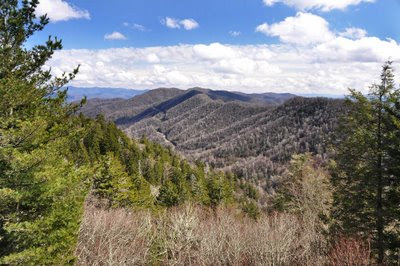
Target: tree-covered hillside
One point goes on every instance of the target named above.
(145, 174)
(236, 132)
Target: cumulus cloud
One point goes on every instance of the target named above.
(115, 36)
(367, 49)
(329, 67)
(173, 23)
(152, 58)
(135, 26)
(59, 10)
(304, 29)
(354, 33)
(189, 24)
(323, 5)
(234, 33)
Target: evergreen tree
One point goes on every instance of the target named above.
(168, 195)
(367, 173)
(113, 183)
(220, 189)
(250, 208)
(199, 185)
(41, 188)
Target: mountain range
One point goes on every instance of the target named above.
(78, 93)
(253, 135)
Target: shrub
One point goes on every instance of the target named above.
(194, 235)
(350, 251)
(114, 237)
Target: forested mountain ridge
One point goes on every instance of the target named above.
(253, 135)
(127, 108)
(117, 108)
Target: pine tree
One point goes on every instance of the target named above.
(168, 195)
(114, 184)
(199, 185)
(367, 172)
(220, 189)
(41, 189)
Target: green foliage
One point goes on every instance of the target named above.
(17, 24)
(41, 189)
(199, 185)
(128, 168)
(249, 190)
(114, 183)
(250, 208)
(220, 189)
(43, 228)
(168, 195)
(43, 196)
(366, 175)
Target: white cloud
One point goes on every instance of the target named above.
(323, 5)
(367, 49)
(235, 33)
(152, 58)
(329, 67)
(60, 10)
(173, 23)
(189, 24)
(135, 26)
(214, 51)
(115, 36)
(354, 33)
(304, 29)
(311, 33)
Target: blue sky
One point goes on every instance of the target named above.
(168, 42)
(216, 19)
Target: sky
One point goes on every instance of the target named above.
(297, 46)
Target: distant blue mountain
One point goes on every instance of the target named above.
(312, 95)
(76, 94)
